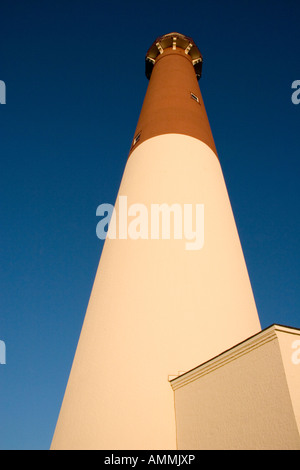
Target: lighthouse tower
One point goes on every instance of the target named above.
(159, 306)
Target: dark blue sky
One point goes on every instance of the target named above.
(74, 72)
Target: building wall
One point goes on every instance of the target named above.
(240, 400)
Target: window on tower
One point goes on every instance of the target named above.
(195, 97)
(136, 139)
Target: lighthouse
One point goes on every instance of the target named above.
(158, 309)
